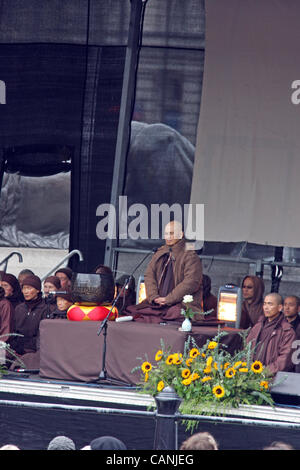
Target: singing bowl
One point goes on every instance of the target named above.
(78, 312)
(96, 289)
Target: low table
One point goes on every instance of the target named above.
(72, 350)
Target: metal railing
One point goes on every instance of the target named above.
(5, 260)
(62, 261)
(257, 264)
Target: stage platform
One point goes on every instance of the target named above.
(33, 410)
(65, 396)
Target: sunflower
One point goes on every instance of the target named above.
(146, 367)
(207, 369)
(160, 385)
(226, 365)
(257, 367)
(186, 381)
(237, 364)
(212, 345)
(218, 391)
(244, 367)
(195, 376)
(159, 355)
(169, 360)
(189, 361)
(177, 358)
(194, 352)
(209, 361)
(146, 377)
(185, 373)
(264, 384)
(206, 378)
(230, 373)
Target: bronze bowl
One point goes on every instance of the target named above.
(93, 288)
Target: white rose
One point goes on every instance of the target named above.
(187, 299)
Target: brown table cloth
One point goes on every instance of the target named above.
(74, 350)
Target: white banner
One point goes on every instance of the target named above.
(247, 161)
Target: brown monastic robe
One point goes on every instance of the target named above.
(172, 274)
(251, 312)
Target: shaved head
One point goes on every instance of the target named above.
(276, 297)
(173, 232)
(295, 298)
(291, 307)
(273, 305)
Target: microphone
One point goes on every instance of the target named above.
(126, 318)
(28, 371)
(58, 292)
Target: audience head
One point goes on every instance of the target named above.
(102, 269)
(106, 443)
(65, 277)
(120, 282)
(9, 447)
(291, 307)
(31, 287)
(51, 284)
(24, 273)
(10, 284)
(64, 301)
(200, 441)
(61, 443)
(278, 445)
(273, 305)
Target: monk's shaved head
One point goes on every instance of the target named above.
(173, 232)
(273, 305)
(276, 297)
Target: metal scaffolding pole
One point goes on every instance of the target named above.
(127, 100)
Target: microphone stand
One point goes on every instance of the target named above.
(103, 326)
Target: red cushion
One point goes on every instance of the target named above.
(79, 312)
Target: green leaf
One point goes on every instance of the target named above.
(266, 398)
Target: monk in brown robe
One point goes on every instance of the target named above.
(252, 307)
(172, 273)
(272, 337)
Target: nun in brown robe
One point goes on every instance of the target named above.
(252, 306)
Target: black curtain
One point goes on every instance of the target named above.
(93, 171)
(62, 64)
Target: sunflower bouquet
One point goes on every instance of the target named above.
(208, 379)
